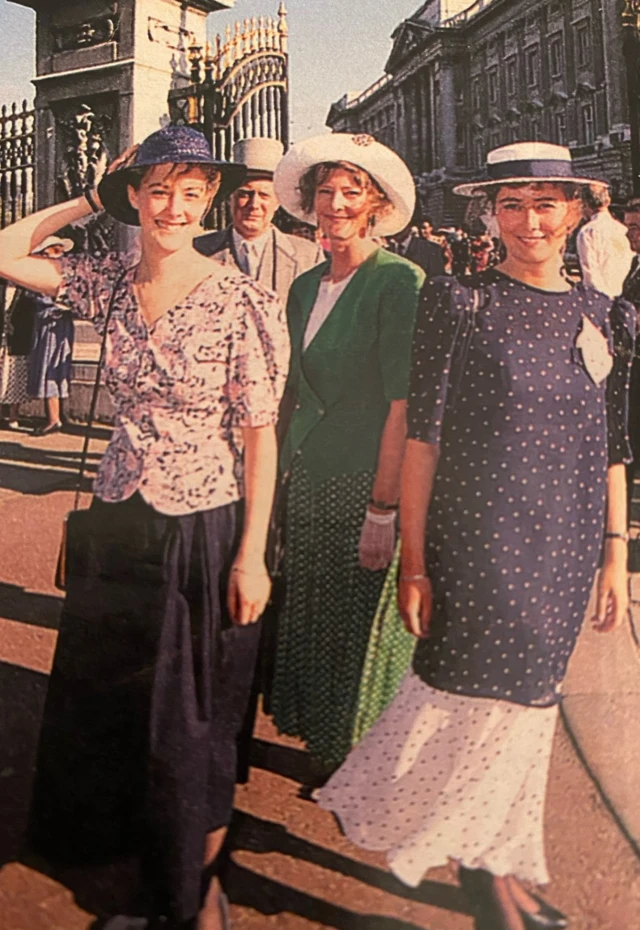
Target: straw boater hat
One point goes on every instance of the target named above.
(382, 164)
(67, 244)
(260, 157)
(526, 163)
(171, 145)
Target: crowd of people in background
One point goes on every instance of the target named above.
(356, 414)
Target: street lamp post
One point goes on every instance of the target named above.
(631, 48)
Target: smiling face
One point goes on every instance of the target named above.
(172, 201)
(343, 206)
(252, 208)
(534, 221)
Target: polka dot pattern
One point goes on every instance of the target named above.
(441, 776)
(517, 513)
(324, 629)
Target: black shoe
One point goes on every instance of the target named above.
(49, 429)
(545, 918)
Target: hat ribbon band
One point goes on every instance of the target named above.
(531, 168)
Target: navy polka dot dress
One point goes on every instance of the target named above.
(526, 431)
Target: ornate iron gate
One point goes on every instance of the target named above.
(17, 157)
(239, 85)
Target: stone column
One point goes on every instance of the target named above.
(400, 143)
(104, 70)
(447, 116)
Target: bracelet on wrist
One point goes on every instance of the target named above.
(382, 505)
(381, 519)
(623, 536)
(419, 577)
(91, 200)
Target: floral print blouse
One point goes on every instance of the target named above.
(183, 388)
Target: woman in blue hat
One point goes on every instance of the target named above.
(158, 637)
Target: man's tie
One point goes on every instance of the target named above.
(247, 259)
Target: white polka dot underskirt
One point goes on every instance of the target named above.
(441, 776)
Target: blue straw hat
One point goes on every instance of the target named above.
(173, 145)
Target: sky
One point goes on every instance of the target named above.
(335, 46)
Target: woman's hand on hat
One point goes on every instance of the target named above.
(415, 600)
(123, 160)
(248, 591)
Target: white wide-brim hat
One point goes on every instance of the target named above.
(380, 162)
(67, 244)
(526, 163)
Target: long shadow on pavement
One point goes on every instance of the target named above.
(28, 607)
(263, 836)
(267, 896)
(22, 695)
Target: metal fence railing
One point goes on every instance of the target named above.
(17, 161)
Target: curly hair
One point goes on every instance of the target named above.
(596, 196)
(318, 174)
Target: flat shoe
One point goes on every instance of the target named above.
(545, 918)
(48, 430)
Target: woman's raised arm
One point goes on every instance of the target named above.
(17, 242)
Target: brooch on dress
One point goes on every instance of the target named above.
(594, 348)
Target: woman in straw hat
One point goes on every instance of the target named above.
(513, 484)
(350, 320)
(52, 347)
(158, 636)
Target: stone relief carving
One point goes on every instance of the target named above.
(92, 32)
(84, 160)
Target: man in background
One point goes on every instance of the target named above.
(427, 255)
(603, 248)
(252, 243)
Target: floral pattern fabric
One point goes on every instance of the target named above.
(183, 388)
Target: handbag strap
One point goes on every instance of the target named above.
(96, 391)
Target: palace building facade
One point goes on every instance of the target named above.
(464, 78)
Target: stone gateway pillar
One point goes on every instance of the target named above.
(104, 72)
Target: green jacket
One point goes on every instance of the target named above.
(339, 390)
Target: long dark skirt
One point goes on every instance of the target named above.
(147, 694)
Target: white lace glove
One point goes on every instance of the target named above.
(377, 540)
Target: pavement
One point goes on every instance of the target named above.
(291, 869)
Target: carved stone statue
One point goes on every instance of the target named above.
(84, 161)
(85, 153)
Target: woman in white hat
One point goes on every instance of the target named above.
(513, 484)
(158, 636)
(350, 321)
(49, 373)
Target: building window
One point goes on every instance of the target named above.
(532, 57)
(583, 43)
(556, 55)
(476, 93)
(588, 128)
(560, 124)
(493, 85)
(535, 128)
(514, 133)
(512, 77)
(496, 138)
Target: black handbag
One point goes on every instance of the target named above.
(79, 524)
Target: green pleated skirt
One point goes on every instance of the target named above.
(341, 647)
